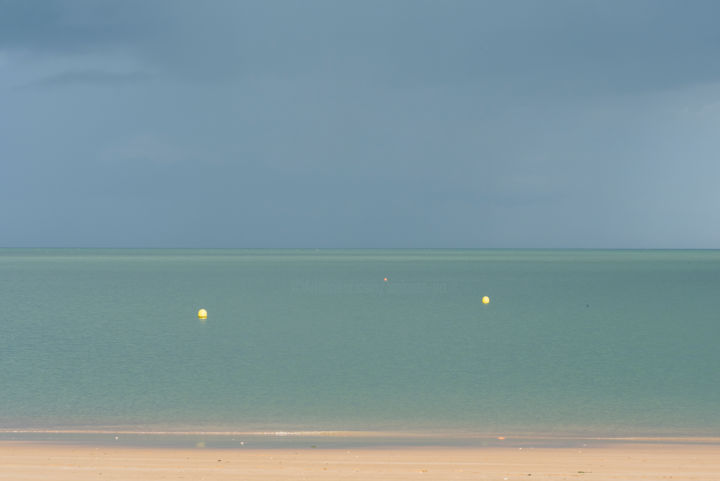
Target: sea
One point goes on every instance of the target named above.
(571, 342)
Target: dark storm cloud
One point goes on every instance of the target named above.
(403, 123)
(53, 26)
(88, 77)
(559, 45)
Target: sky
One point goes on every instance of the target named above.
(339, 124)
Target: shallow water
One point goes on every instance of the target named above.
(602, 342)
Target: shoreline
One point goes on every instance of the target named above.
(330, 439)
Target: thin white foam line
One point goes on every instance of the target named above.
(383, 434)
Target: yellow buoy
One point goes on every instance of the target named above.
(486, 300)
(202, 314)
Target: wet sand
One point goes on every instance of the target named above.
(613, 461)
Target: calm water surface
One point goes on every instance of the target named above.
(605, 342)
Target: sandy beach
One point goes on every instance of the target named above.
(634, 461)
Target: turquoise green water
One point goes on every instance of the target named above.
(605, 342)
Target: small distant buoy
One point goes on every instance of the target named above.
(385, 279)
(486, 300)
(202, 314)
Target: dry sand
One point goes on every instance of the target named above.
(636, 461)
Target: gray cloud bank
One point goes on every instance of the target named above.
(366, 124)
